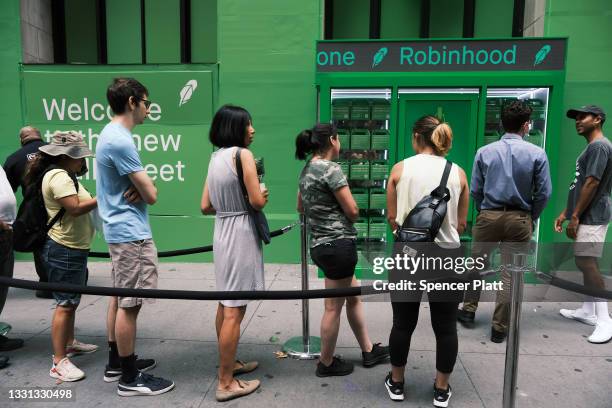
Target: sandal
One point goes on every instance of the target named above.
(246, 388)
(245, 367)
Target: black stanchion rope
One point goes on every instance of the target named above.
(574, 287)
(191, 294)
(196, 250)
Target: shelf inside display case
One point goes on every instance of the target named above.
(498, 98)
(362, 118)
(537, 99)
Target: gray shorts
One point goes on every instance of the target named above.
(134, 267)
(590, 240)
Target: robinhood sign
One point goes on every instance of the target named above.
(172, 141)
(444, 55)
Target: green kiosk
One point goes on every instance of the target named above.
(375, 90)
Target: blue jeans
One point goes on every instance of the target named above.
(65, 265)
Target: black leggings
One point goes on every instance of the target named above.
(444, 323)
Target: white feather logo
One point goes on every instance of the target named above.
(187, 91)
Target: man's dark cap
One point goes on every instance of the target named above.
(592, 109)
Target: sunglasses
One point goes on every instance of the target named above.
(147, 103)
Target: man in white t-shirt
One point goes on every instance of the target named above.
(8, 212)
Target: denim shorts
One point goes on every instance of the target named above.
(337, 259)
(65, 265)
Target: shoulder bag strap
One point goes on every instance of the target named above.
(60, 214)
(241, 175)
(440, 191)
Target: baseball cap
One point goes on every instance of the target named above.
(592, 109)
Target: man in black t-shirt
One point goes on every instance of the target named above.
(589, 211)
(15, 168)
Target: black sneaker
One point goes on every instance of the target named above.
(441, 397)
(466, 318)
(377, 355)
(395, 389)
(497, 336)
(144, 384)
(7, 344)
(112, 374)
(338, 367)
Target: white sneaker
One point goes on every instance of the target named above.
(579, 315)
(602, 333)
(77, 348)
(66, 371)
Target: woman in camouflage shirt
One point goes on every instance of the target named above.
(325, 198)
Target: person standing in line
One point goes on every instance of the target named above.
(8, 213)
(237, 248)
(510, 186)
(410, 181)
(589, 213)
(124, 190)
(325, 198)
(54, 170)
(15, 168)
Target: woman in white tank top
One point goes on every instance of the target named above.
(410, 181)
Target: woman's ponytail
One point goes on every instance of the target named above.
(315, 140)
(303, 144)
(442, 139)
(430, 131)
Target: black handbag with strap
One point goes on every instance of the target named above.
(259, 218)
(425, 219)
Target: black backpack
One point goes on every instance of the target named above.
(425, 219)
(30, 227)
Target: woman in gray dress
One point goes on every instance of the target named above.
(237, 248)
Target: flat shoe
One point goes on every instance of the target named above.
(245, 367)
(246, 387)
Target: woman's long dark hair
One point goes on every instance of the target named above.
(37, 166)
(315, 140)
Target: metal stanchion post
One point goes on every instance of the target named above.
(306, 347)
(512, 347)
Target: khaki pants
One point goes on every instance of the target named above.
(512, 229)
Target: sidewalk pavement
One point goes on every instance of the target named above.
(557, 367)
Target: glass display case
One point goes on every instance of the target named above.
(537, 98)
(362, 118)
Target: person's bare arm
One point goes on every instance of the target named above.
(205, 205)
(4, 226)
(143, 183)
(560, 220)
(132, 195)
(464, 202)
(300, 203)
(75, 207)
(587, 193)
(396, 173)
(257, 198)
(347, 203)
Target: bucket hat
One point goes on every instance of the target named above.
(69, 143)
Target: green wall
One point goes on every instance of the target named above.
(351, 19)
(162, 31)
(493, 19)
(10, 56)
(123, 34)
(588, 25)
(446, 19)
(400, 19)
(81, 32)
(271, 73)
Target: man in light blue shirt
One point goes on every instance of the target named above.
(510, 187)
(124, 190)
